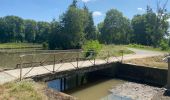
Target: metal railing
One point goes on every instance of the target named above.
(76, 59)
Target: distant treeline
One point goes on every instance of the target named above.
(76, 26)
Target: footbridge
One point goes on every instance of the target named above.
(50, 66)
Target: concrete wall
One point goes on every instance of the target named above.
(142, 74)
(136, 73)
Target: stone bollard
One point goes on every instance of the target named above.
(168, 78)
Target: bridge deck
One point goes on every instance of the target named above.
(12, 75)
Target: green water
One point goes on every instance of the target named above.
(96, 90)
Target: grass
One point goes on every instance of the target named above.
(19, 45)
(156, 61)
(113, 50)
(24, 90)
(30, 90)
(138, 46)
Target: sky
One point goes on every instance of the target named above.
(46, 10)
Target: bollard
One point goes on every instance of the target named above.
(168, 78)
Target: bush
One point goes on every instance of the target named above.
(164, 45)
(45, 46)
(92, 48)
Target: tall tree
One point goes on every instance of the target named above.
(73, 26)
(30, 30)
(43, 30)
(114, 28)
(89, 29)
(138, 24)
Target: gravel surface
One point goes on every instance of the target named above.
(136, 91)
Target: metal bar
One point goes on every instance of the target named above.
(122, 57)
(94, 61)
(54, 64)
(108, 57)
(21, 61)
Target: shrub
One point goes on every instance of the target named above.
(45, 46)
(92, 48)
(164, 45)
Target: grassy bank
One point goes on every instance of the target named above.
(156, 61)
(113, 50)
(146, 47)
(22, 91)
(30, 90)
(19, 45)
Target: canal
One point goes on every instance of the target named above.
(90, 86)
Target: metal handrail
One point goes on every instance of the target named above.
(77, 58)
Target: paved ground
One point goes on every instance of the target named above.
(11, 75)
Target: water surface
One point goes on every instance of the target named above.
(96, 90)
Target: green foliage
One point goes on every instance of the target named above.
(92, 48)
(115, 29)
(151, 27)
(45, 45)
(76, 26)
(164, 45)
(112, 50)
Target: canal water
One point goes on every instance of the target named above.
(93, 87)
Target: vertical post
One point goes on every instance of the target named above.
(54, 64)
(77, 80)
(168, 80)
(94, 61)
(78, 59)
(64, 83)
(122, 56)
(61, 85)
(108, 57)
(21, 61)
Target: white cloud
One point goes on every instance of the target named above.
(86, 1)
(97, 13)
(141, 9)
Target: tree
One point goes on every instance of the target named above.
(89, 29)
(138, 24)
(43, 30)
(30, 30)
(56, 36)
(115, 28)
(14, 28)
(73, 25)
(151, 27)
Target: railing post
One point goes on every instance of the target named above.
(94, 61)
(77, 59)
(54, 64)
(108, 57)
(122, 56)
(21, 62)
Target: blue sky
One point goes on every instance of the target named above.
(46, 10)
